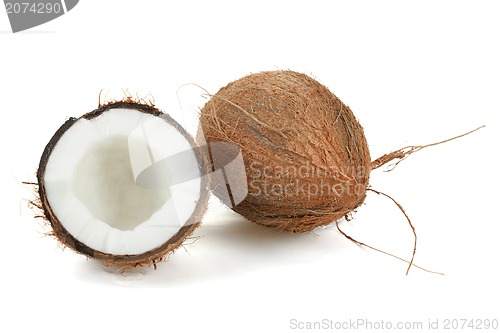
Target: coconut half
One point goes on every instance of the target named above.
(124, 184)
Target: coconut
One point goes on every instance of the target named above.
(306, 156)
(123, 184)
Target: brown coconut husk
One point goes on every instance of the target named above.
(287, 120)
(148, 258)
(283, 120)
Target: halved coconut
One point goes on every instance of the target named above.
(124, 184)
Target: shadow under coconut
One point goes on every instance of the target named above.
(226, 245)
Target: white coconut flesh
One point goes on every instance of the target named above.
(92, 181)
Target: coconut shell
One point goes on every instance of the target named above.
(306, 157)
(152, 256)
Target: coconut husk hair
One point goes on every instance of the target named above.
(288, 123)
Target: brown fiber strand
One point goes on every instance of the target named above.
(409, 222)
(403, 153)
(127, 97)
(381, 251)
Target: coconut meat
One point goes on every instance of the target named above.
(91, 181)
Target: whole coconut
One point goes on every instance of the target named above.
(306, 157)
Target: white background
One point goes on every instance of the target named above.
(413, 72)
